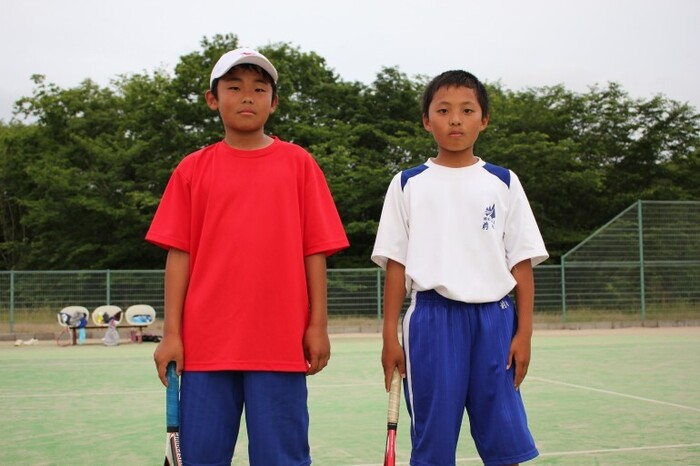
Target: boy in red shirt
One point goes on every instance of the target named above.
(248, 223)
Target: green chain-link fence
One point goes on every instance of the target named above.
(644, 264)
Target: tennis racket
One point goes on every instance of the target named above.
(392, 419)
(172, 417)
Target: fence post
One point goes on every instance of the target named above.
(12, 301)
(108, 277)
(563, 288)
(379, 293)
(642, 286)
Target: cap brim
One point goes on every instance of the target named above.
(222, 67)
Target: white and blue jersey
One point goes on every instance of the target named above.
(458, 231)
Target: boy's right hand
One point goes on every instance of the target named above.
(392, 358)
(169, 349)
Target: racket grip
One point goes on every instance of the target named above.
(392, 417)
(172, 399)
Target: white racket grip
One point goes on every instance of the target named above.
(394, 398)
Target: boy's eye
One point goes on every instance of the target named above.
(441, 111)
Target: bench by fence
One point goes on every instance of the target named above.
(74, 318)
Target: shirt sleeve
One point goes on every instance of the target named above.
(392, 235)
(522, 235)
(170, 227)
(323, 229)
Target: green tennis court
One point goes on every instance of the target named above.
(594, 397)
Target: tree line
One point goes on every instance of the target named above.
(82, 169)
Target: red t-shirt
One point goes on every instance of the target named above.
(247, 220)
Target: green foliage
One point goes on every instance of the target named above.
(82, 169)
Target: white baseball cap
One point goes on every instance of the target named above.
(239, 57)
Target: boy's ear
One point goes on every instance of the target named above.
(275, 103)
(426, 123)
(484, 123)
(212, 103)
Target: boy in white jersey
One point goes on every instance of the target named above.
(458, 234)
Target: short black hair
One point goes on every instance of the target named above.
(457, 78)
(248, 66)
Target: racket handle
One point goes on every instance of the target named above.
(392, 417)
(172, 399)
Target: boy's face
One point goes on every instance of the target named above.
(244, 100)
(455, 119)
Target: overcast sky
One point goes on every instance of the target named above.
(648, 46)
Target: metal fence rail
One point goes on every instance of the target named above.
(644, 264)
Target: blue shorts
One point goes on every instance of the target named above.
(456, 357)
(276, 417)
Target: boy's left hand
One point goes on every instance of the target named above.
(520, 348)
(317, 349)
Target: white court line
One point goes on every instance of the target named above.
(80, 394)
(345, 385)
(609, 392)
(616, 450)
(155, 392)
(567, 453)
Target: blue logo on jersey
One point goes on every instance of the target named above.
(489, 218)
